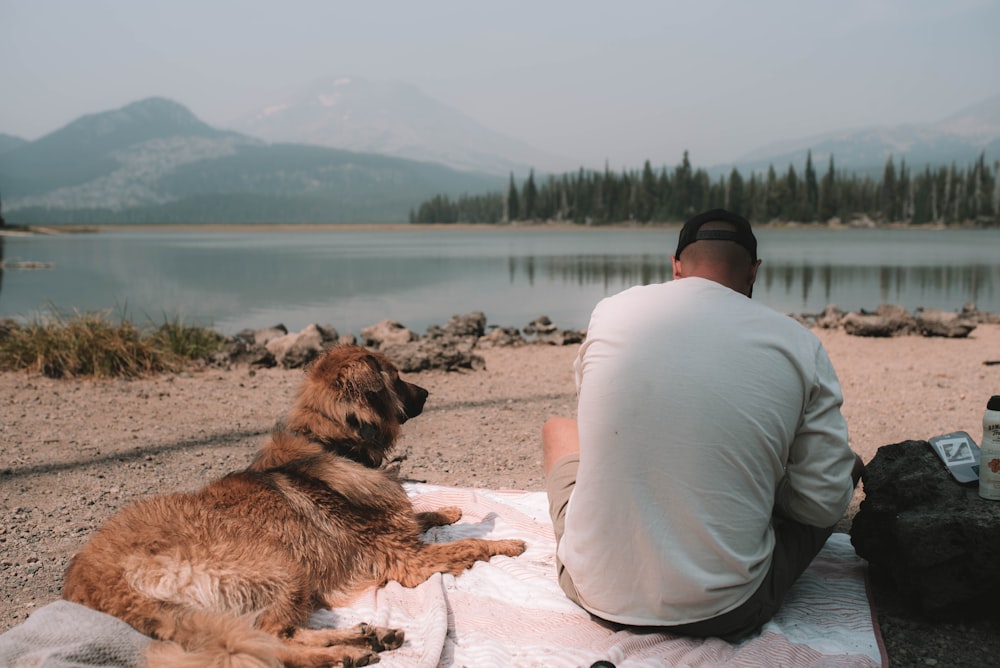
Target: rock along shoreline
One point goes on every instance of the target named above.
(454, 345)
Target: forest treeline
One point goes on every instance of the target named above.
(946, 195)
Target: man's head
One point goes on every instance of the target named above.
(718, 245)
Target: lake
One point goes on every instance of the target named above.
(351, 278)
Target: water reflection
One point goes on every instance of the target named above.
(797, 287)
(609, 271)
(807, 287)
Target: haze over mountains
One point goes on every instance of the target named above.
(397, 119)
(392, 118)
(959, 138)
(348, 150)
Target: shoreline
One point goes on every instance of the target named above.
(73, 228)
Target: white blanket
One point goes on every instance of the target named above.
(511, 611)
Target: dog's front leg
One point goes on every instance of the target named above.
(454, 558)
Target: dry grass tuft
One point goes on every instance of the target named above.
(92, 344)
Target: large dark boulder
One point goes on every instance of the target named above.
(934, 538)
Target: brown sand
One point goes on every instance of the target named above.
(75, 451)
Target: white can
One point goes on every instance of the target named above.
(989, 451)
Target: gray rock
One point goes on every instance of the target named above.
(540, 325)
(262, 336)
(499, 337)
(545, 331)
(386, 333)
(295, 350)
(970, 312)
(935, 322)
(887, 320)
(830, 318)
(447, 353)
(240, 352)
(470, 324)
(280, 344)
(935, 539)
(561, 337)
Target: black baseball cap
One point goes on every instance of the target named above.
(741, 234)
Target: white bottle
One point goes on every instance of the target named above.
(989, 451)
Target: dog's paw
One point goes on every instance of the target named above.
(509, 547)
(381, 638)
(358, 658)
(449, 514)
(438, 518)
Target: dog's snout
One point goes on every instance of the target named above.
(413, 404)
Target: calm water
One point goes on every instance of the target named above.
(354, 278)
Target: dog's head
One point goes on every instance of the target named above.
(353, 402)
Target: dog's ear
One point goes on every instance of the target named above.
(364, 378)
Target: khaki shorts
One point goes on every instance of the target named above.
(795, 547)
(559, 485)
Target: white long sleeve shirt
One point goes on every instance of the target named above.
(699, 411)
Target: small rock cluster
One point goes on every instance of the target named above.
(451, 346)
(893, 320)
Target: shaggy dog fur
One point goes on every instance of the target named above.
(228, 575)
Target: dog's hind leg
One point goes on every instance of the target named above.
(300, 656)
(438, 518)
(363, 635)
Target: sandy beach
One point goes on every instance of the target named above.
(74, 451)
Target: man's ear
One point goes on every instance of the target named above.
(678, 270)
(752, 277)
(753, 273)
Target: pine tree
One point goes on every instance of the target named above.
(681, 204)
(772, 197)
(513, 205)
(647, 194)
(996, 193)
(734, 192)
(887, 199)
(811, 190)
(791, 203)
(828, 201)
(750, 209)
(530, 198)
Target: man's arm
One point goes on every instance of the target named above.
(819, 476)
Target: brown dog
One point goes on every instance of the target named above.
(227, 576)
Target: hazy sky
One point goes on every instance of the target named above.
(618, 80)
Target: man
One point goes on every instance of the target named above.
(709, 459)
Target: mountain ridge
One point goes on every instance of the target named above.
(152, 156)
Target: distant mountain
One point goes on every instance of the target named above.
(7, 142)
(154, 161)
(391, 119)
(959, 138)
